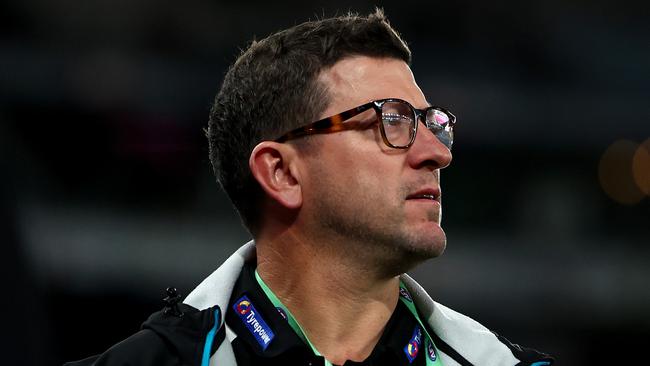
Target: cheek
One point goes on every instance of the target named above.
(378, 184)
(357, 162)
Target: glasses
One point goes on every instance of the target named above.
(399, 123)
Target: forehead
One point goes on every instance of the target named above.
(360, 79)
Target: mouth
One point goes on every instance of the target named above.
(426, 194)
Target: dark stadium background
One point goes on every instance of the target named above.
(107, 197)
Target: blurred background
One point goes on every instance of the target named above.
(107, 195)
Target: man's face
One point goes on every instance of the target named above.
(373, 198)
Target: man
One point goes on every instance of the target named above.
(332, 155)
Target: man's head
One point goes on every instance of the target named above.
(348, 186)
(273, 87)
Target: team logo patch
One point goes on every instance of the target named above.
(405, 294)
(253, 321)
(431, 351)
(412, 348)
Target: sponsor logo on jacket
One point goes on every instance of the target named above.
(412, 348)
(253, 321)
(405, 294)
(431, 351)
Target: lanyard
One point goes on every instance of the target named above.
(430, 349)
(290, 319)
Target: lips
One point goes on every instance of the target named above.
(432, 194)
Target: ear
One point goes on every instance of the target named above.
(273, 166)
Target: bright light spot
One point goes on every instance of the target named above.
(615, 173)
(641, 167)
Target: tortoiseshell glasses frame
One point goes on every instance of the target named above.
(399, 123)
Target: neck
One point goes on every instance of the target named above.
(342, 308)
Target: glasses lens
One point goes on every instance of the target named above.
(439, 122)
(398, 121)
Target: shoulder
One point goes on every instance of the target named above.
(131, 351)
(468, 342)
(464, 341)
(167, 338)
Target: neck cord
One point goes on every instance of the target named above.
(411, 349)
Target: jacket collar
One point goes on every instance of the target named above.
(217, 288)
(399, 331)
(473, 341)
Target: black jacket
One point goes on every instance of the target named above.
(176, 335)
(169, 338)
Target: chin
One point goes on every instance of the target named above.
(428, 238)
(415, 250)
(430, 249)
(429, 244)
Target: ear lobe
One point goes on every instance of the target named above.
(272, 166)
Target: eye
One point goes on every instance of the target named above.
(395, 120)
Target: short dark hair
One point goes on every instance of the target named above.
(273, 87)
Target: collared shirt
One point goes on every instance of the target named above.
(265, 338)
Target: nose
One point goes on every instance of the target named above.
(428, 151)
